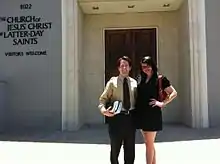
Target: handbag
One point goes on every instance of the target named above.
(162, 94)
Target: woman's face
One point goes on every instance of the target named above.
(146, 69)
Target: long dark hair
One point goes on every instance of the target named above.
(150, 62)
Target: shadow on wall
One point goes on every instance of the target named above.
(98, 134)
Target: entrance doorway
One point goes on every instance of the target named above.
(134, 43)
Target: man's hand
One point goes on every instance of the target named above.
(107, 112)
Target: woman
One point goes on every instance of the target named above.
(149, 108)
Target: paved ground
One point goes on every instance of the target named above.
(175, 145)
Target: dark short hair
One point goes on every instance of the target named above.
(126, 58)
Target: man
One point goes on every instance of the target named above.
(121, 126)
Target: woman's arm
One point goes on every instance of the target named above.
(172, 93)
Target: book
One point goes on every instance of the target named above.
(116, 107)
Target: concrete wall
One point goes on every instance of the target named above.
(184, 65)
(213, 58)
(81, 64)
(34, 81)
(94, 56)
(72, 36)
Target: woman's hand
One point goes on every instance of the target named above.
(154, 103)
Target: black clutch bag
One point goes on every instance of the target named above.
(116, 107)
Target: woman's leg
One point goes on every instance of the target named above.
(149, 138)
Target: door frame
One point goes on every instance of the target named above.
(129, 28)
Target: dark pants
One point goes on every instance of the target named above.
(122, 131)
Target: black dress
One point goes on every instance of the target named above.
(149, 118)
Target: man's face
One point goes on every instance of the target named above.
(124, 68)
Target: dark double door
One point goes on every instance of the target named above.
(134, 43)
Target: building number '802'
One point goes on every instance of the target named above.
(25, 6)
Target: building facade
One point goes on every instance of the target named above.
(56, 57)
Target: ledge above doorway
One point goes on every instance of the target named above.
(126, 6)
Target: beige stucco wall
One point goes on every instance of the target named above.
(94, 56)
(184, 65)
(213, 58)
